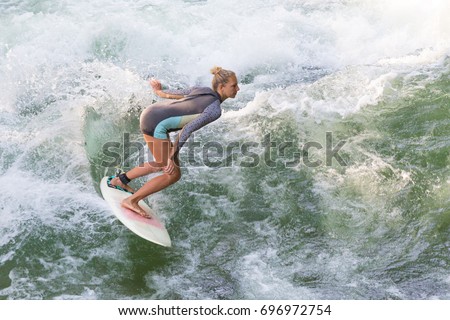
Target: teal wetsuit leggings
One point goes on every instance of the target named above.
(198, 108)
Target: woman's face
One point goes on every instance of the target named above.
(229, 89)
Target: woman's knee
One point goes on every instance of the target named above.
(175, 176)
(155, 166)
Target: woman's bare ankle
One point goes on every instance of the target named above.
(116, 182)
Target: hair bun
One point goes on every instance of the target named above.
(216, 70)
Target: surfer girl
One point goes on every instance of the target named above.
(188, 110)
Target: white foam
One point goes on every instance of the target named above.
(66, 57)
(265, 282)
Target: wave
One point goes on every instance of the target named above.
(374, 75)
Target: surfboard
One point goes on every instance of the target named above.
(151, 229)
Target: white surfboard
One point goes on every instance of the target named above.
(151, 229)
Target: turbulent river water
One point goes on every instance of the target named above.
(326, 178)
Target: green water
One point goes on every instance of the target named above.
(275, 221)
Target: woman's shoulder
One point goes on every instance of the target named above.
(204, 90)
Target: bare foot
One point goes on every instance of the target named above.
(133, 206)
(116, 182)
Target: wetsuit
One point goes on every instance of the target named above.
(199, 107)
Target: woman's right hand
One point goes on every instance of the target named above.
(170, 168)
(156, 85)
(157, 89)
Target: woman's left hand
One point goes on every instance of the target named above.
(170, 168)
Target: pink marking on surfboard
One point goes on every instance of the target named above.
(137, 217)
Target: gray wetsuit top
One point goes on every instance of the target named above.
(199, 107)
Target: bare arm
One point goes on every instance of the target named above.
(167, 94)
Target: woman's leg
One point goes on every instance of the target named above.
(156, 146)
(143, 169)
(160, 150)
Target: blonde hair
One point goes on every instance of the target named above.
(221, 76)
